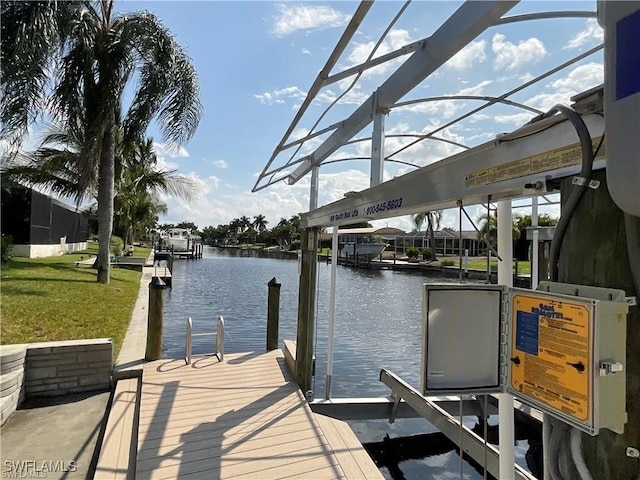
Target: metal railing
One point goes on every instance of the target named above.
(219, 334)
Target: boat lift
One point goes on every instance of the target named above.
(524, 163)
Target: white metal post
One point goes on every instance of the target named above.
(313, 194)
(377, 150)
(506, 427)
(535, 236)
(332, 308)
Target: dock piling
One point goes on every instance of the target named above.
(155, 319)
(273, 314)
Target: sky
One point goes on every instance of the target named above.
(256, 60)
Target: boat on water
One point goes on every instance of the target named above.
(371, 250)
(176, 239)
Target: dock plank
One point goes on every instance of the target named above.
(241, 418)
(114, 461)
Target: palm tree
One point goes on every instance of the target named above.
(259, 224)
(433, 219)
(234, 225)
(54, 165)
(76, 58)
(489, 229)
(245, 222)
(139, 182)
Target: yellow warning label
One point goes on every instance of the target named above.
(541, 162)
(551, 352)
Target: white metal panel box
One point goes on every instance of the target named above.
(461, 330)
(561, 348)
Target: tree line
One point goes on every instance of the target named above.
(286, 233)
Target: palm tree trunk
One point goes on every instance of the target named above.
(105, 200)
(432, 238)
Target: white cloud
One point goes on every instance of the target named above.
(509, 56)
(476, 89)
(395, 40)
(468, 56)
(169, 149)
(526, 77)
(292, 18)
(220, 203)
(516, 118)
(163, 165)
(581, 78)
(220, 163)
(279, 96)
(441, 108)
(306, 51)
(591, 34)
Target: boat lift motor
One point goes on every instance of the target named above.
(621, 23)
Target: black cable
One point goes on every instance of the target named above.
(579, 187)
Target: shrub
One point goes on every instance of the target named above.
(426, 252)
(7, 247)
(117, 244)
(447, 263)
(412, 252)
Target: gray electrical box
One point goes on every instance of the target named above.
(561, 348)
(621, 23)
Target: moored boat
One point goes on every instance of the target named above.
(371, 250)
(176, 239)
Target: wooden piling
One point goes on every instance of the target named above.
(155, 316)
(594, 252)
(273, 314)
(306, 308)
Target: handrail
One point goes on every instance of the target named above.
(219, 333)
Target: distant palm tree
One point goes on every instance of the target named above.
(245, 223)
(234, 226)
(77, 58)
(259, 225)
(489, 228)
(433, 219)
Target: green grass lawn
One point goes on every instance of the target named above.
(523, 267)
(48, 299)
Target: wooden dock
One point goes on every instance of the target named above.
(241, 418)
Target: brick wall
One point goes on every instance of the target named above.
(61, 368)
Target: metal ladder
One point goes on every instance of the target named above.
(219, 334)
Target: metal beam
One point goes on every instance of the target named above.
(499, 169)
(469, 442)
(382, 408)
(318, 83)
(469, 21)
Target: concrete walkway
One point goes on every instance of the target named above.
(131, 357)
(53, 438)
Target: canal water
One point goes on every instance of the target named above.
(377, 325)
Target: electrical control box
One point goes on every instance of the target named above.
(621, 23)
(561, 348)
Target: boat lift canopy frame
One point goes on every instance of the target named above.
(516, 165)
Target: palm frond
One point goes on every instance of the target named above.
(31, 33)
(168, 87)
